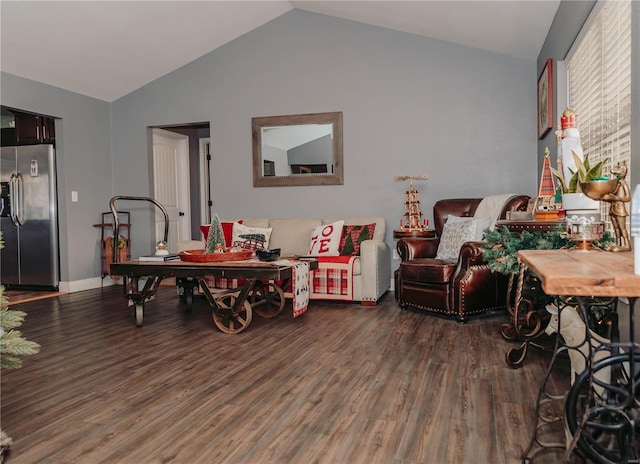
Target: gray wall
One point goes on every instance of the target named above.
(83, 152)
(411, 106)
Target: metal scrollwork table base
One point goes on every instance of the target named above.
(601, 410)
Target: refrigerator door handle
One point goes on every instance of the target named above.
(13, 197)
(16, 192)
(20, 212)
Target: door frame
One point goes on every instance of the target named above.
(183, 155)
(205, 180)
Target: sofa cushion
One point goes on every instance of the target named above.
(325, 239)
(250, 237)
(353, 236)
(292, 235)
(427, 270)
(455, 233)
(256, 222)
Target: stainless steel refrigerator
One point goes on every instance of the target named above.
(29, 217)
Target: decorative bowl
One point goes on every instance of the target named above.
(268, 255)
(596, 189)
(199, 256)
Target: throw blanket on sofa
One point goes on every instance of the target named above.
(333, 280)
(492, 207)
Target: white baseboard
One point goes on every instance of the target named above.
(85, 284)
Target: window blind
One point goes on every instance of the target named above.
(599, 75)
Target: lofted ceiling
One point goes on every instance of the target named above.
(107, 49)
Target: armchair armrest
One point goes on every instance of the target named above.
(471, 254)
(375, 269)
(411, 248)
(475, 286)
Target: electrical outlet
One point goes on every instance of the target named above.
(395, 254)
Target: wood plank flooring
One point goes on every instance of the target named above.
(341, 384)
(24, 296)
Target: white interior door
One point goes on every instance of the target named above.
(171, 185)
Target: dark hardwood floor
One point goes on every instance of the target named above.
(341, 384)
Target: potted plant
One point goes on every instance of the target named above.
(572, 196)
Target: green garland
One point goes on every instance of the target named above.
(501, 246)
(500, 251)
(12, 344)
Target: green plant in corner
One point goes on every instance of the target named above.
(12, 345)
(584, 173)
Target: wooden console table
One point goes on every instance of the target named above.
(530, 225)
(600, 415)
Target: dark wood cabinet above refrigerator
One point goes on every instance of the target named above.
(24, 128)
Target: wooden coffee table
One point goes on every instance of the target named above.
(232, 308)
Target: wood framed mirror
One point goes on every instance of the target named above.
(299, 149)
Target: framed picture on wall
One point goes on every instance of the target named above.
(545, 100)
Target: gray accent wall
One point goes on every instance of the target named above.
(411, 106)
(84, 165)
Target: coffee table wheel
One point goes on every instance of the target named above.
(267, 300)
(611, 433)
(139, 314)
(224, 318)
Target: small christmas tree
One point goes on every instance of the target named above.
(12, 345)
(215, 239)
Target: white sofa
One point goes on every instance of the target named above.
(365, 278)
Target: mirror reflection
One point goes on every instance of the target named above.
(301, 149)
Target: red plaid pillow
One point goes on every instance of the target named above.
(353, 236)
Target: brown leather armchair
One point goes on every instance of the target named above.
(461, 287)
